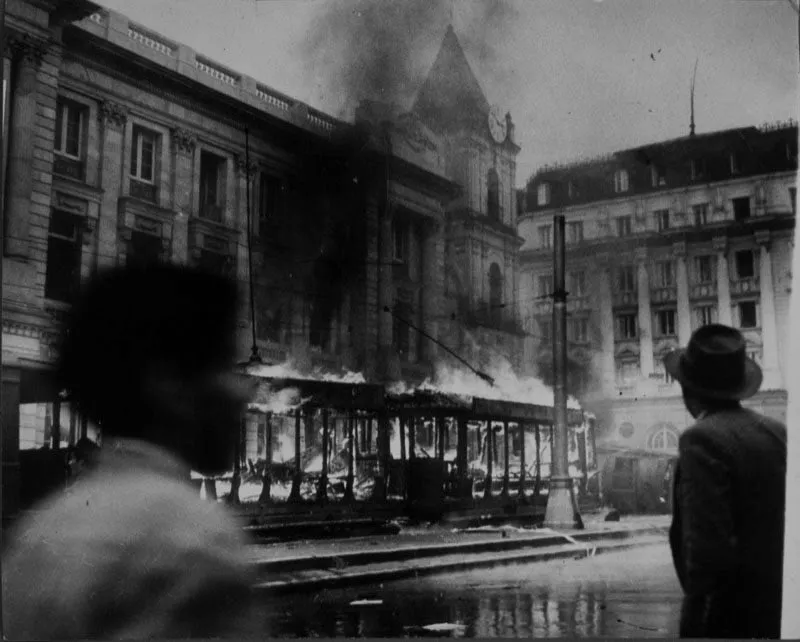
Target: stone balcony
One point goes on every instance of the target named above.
(664, 295)
(625, 299)
(750, 285)
(703, 290)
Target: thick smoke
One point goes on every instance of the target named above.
(382, 49)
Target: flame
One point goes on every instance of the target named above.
(507, 385)
(288, 370)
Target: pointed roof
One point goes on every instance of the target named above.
(451, 94)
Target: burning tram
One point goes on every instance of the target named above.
(425, 451)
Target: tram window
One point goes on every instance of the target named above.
(623, 473)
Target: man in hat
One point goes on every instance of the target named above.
(729, 493)
(133, 552)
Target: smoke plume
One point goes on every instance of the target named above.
(382, 49)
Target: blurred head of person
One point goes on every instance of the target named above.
(148, 354)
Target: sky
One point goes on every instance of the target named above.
(579, 77)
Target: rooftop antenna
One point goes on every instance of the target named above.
(694, 76)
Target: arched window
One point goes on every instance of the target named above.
(664, 437)
(495, 292)
(493, 194)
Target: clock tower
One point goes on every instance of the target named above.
(481, 241)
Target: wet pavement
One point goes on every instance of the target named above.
(627, 594)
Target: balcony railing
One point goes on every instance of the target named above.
(624, 299)
(703, 290)
(660, 295)
(143, 191)
(69, 167)
(746, 286)
(493, 318)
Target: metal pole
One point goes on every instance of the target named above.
(297, 479)
(561, 510)
(522, 462)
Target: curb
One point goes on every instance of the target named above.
(406, 553)
(371, 576)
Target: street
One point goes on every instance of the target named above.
(629, 594)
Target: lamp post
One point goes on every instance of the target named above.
(561, 510)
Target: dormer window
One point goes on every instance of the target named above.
(621, 181)
(543, 194)
(657, 176)
(698, 168)
(734, 160)
(572, 190)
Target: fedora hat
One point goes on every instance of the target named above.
(715, 364)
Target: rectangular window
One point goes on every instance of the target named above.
(545, 330)
(657, 176)
(400, 235)
(735, 168)
(575, 232)
(213, 262)
(401, 335)
(700, 213)
(665, 323)
(624, 227)
(143, 155)
(211, 186)
(698, 168)
(662, 220)
(577, 283)
(545, 236)
(545, 285)
(627, 326)
(793, 199)
(748, 314)
(270, 190)
(665, 274)
(620, 181)
(70, 124)
(64, 243)
(543, 194)
(741, 208)
(627, 278)
(704, 315)
(745, 264)
(578, 330)
(704, 269)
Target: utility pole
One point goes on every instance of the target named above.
(561, 511)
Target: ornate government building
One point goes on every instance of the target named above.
(662, 239)
(126, 147)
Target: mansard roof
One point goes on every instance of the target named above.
(679, 162)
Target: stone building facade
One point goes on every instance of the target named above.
(661, 240)
(126, 147)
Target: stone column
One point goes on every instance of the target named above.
(432, 250)
(723, 281)
(684, 314)
(769, 334)
(183, 146)
(238, 206)
(605, 319)
(112, 117)
(27, 56)
(645, 320)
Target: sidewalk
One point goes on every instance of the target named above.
(314, 565)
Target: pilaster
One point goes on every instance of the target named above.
(113, 118)
(645, 317)
(183, 144)
(684, 312)
(720, 244)
(769, 335)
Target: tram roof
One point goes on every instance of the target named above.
(336, 395)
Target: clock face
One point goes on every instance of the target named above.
(497, 124)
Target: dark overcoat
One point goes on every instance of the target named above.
(728, 525)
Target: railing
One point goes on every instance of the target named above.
(623, 299)
(703, 290)
(98, 17)
(745, 286)
(320, 121)
(273, 99)
(214, 71)
(660, 295)
(211, 212)
(149, 40)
